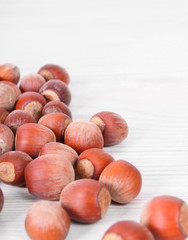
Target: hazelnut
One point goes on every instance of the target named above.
(127, 230)
(60, 149)
(7, 97)
(55, 107)
(31, 137)
(17, 118)
(12, 167)
(32, 82)
(3, 114)
(47, 175)
(91, 163)
(82, 135)
(53, 71)
(9, 72)
(166, 217)
(123, 181)
(56, 90)
(1, 199)
(112, 125)
(32, 103)
(47, 220)
(6, 139)
(57, 122)
(14, 87)
(85, 200)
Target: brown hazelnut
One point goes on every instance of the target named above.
(47, 220)
(166, 217)
(82, 135)
(127, 230)
(60, 149)
(47, 175)
(6, 139)
(17, 118)
(57, 122)
(123, 181)
(12, 167)
(53, 71)
(56, 90)
(31, 137)
(32, 82)
(14, 87)
(32, 103)
(91, 163)
(56, 107)
(112, 125)
(9, 72)
(7, 97)
(85, 200)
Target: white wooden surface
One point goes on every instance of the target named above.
(127, 56)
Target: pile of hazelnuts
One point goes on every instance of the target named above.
(59, 159)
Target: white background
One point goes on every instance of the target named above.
(126, 56)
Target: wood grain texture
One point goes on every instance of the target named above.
(126, 56)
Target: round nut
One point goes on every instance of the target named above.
(53, 71)
(31, 137)
(47, 220)
(47, 175)
(12, 167)
(9, 72)
(82, 135)
(166, 217)
(17, 118)
(91, 163)
(57, 122)
(56, 107)
(123, 181)
(56, 90)
(32, 82)
(127, 230)
(112, 125)
(85, 200)
(32, 103)
(7, 97)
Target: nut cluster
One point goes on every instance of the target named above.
(61, 159)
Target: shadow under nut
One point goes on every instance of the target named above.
(1, 199)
